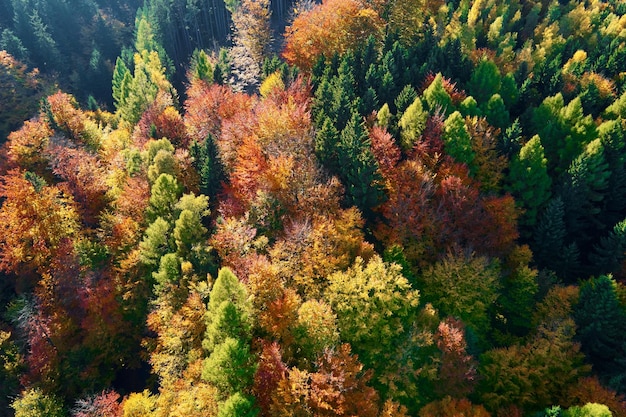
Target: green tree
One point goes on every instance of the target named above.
(164, 195)
(34, 403)
(208, 164)
(358, 168)
(377, 294)
(436, 97)
(200, 68)
(238, 405)
(230, 365)
(485, 81)
(457, 140)
(529, 181)
(155, 242)
(588, 410)
(464, 287)
(168, 273)
(412, 124)
(609, 252)
(601, 329)
(496, 113)
(550, 247)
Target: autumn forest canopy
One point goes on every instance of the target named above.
(373, 208)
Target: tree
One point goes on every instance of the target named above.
(485, 81)
(34, 221)
(601, 329)
(378, 294)
(139, 404)
(230, 366)
(164, 195)
(437, 97)
(608, 254)
(334, 26)
(412, 124)
(457, 140)
(529, 181)
(457, 370)
(450, 406)
(464, 287)
(33, 403)
(358, 169)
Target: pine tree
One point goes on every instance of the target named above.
(485, 81)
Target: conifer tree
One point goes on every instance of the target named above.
(457, 140)
(485, 81)
(529, 181)
(230, 366)
(601, 329)
(412, 124)
(436, 97)
(358, 168)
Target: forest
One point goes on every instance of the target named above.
(255, 208)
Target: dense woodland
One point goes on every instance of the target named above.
(391, 208)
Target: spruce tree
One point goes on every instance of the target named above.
(528, 180)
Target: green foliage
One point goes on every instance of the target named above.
(588, 410)
(464, 287)
(457, 141)
(34, 403)
(436, 97)
(358, 168)
(412, 124)
(230, 367)
(168, 273)
(601, 328)
(238, 405)
(164, 195)
(529, 181)
(377, 294)
(208, 164)
(200, 67)
(155, 242)
(496, 113)
(485, 81)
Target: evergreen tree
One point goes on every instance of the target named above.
(457, 141)
(496, 113)
(529, 181)
(412, 124)
(609, 253)
(358, 168)
(485, 81)
(550, 248)
(436, 97)
(601, 329)
(230, 365)
(208, 164)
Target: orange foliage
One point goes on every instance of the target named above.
(449, 407)
(161, 120)
(84, 176)
(67, 116)
(331, 27)
(589, 390)
(32, 223)
(338, 388)
(27, 146)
